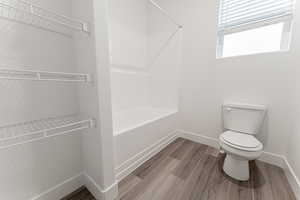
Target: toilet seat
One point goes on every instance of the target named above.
(241, 141)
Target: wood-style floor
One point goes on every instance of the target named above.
(185, 170)
(80, 194)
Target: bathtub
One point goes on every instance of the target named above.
(138, 134)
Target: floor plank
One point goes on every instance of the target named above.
(190, 160)
(154, 179)
(182, 150)
(148, 166)
(270, 182)
(128, 184)
(80, 194)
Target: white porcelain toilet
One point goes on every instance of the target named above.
(241, 122)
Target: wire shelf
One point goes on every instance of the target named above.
(27, 132)
(27, 13)
(12, 74)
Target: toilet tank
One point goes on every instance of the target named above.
(243, 118)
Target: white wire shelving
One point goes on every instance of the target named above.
(14, 74)
(27, 132)
(30, 14)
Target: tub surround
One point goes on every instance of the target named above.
(139, 134)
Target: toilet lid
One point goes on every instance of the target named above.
(240, 139)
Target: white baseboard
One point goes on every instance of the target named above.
(292, 178)
(133, 163)
(61, 190)
(213, 142)
(267, 157)
(109, 193)
(271, 158)
(72, 184)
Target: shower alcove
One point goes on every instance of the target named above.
(145, 45)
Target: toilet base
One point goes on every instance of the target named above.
(236, 167)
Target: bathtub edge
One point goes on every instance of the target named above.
(137, 160)
(169, 114)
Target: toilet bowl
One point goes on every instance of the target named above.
(241, 122)
(240, 148)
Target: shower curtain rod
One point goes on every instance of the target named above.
(166, 13)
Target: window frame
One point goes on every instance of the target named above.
(285, 36)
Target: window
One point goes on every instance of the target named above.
(253, 26)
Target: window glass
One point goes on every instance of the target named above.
(258, 40)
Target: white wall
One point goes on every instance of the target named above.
(31, 169)
(128, 33)
(129, 89)
(25, 47)
(101, 20)
(129, 53)
(144, 36)
(28, 170)
(92, 56)
(207, 82)
(293, 154)
(84, 46)
(165, 39)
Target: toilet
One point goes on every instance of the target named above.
(241, 123)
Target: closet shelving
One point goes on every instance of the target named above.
(40, 129)
(13, 74)
(27, 13)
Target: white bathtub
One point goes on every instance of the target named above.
(139, 131)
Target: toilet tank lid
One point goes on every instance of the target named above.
(245, 106)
